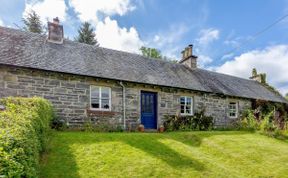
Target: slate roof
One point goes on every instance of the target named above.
(25, 49)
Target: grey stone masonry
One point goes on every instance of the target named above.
(70, 96)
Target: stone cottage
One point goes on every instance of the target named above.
(117, 88)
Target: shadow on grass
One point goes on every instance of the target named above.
(58, 160)
(195, 138)
(61, 156)
(151, 145)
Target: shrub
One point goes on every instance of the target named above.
(58, 124)
(249, 121)
(24, 129)
(267, 124)
(196, 122)
(90, 126)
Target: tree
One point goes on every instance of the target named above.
(151, 52)
(86, 34)
(33, 23)
(156, 54)
(286, 96)
(254, 72)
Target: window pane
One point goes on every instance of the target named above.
(182, 109)
(95, 92)
(143, 103)
(105, 103)
(95, 97)
(188, 100)
(95, 103)
(105, 93)
(182, 100)
(188, 109)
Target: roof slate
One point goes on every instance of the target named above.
(25, 49)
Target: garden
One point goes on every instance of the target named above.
(256, 145)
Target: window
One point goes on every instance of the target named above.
(100, 98)
(233, 110)
(186, 104)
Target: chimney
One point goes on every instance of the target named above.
(261, 78)
(55, 31)
(188, 58)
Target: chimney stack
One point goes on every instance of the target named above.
(55, 31)
(261, 78)
(188, 58)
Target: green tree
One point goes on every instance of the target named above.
(254, 72)
(286, 96)
(151, 52)
(155, 54)
(86, 34)
(33, 23)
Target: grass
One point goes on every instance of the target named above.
(178, 154)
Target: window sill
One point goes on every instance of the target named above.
(186, 114)
(93, 112)
(95, 109)
(233, 117)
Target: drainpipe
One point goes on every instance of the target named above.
(124, 104)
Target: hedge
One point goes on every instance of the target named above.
(24, 130)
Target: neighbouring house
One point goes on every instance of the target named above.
(106, 86)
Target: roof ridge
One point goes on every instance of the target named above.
(226, 74)
(93, 46)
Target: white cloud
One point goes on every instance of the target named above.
(108, 32)
(167, 40)
(90, 10)
(47, 9)
(272, 60)
(204, 60)
(110, 35)
(227, 56)
(208, 35)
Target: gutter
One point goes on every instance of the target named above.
(124, 104)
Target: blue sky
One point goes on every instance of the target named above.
(215, 28)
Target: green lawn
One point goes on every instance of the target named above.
(179, 154)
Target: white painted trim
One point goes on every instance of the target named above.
(236, 108)
(192, 106)
(110, 98)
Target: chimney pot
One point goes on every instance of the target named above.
(56, 20)
(190, 50)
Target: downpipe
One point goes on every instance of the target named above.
(124, 104)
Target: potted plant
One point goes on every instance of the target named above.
(141, 128)
(161, 128)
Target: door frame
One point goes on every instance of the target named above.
(155, 105)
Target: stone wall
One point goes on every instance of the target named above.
(70, 96)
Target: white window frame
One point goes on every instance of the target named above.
(100, 98)
(230, 111)
(191, 108)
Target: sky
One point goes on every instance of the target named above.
(222, 31)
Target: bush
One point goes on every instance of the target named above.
(267, 124)
(249, 121)
(58, 124)
(24, 129)
(196, 122)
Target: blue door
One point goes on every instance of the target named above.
(149, 110)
